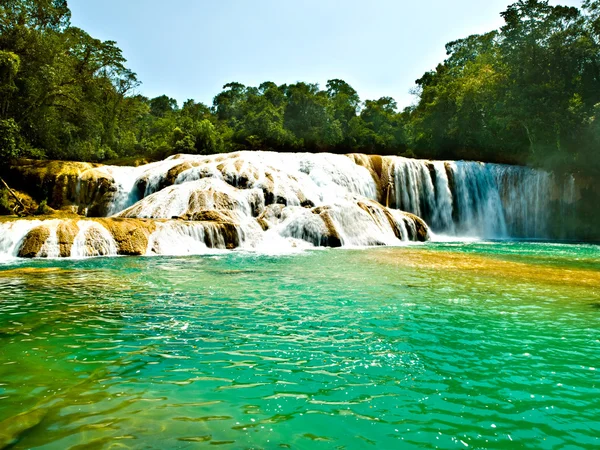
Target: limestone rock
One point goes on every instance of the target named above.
(66, 232)
(63, 184)
(131, 235)
(33, 242)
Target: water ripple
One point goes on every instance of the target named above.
(396, 348)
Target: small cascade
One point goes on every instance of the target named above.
(194, 197)
(442, 213)
(190, 238)
(478, 209)
(291, 178)
(51, 246)
(93, 240)
(12, 235)
(525, 195)
(362, 224)
(414, 187)
(124, 180)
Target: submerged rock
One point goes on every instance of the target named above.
(12, 428)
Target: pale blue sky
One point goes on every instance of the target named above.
(191, 48)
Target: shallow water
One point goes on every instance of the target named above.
(443, 345)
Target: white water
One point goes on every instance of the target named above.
(471, 199)
(185, 238)
(281, 202)
(50, 248)
(93, 240)
(12, 235)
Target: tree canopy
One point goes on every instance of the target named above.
(527, 93)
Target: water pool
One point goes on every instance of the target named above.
(456, 345)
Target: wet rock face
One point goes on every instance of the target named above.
(65, 185)
(33, 242)
(331, 238)
(131, 236)
(66, 233)
(421, 230)
(95, 192)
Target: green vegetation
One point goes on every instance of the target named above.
(528, 93)
(5, 208)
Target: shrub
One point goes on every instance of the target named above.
(42, 208)
(5, 208)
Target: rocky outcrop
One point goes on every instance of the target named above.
(131, 235)
(66, 232)
(332, 237)
(96, 190)
(65, 185)
(33, 242)
(63, 238)
(420, 230)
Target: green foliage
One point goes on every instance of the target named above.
(527, 93)
(523, 94)
(5, 208)
(206, 139)
(9, 66)
(162, 106)
(9, 139)
(42, 208)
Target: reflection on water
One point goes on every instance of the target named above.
(489, 345)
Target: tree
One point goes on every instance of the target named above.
(308, 117)
(226, 104)
(162, 106)
(344, 103)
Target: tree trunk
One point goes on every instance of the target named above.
(18, 200)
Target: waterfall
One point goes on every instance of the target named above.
(475, 199)
(51, 246)
(93, 240)
(188, 238)
(442, 211)
(12, 235)
(255, 200)
(124, 180)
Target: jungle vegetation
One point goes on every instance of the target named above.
(528, 93)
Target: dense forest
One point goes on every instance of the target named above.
(528, 93)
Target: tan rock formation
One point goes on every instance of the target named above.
(33, 242)
(131, 235)
(332, 237)
(66, 232)
(63, 184)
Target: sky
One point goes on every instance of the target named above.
(191, 48)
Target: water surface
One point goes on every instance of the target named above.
(456, 345)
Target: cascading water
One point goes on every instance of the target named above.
(93, 240)
(51, 247)
(12, 235)
(190, 204)
(478, 199)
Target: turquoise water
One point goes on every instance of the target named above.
(478, 345)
